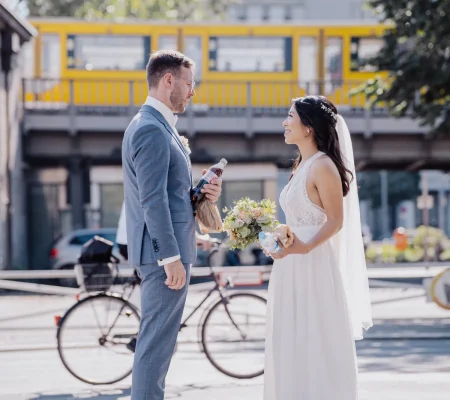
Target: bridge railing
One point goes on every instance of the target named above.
(118, 96)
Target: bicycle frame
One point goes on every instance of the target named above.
(217, 288)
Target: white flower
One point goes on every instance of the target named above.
(185, 142)
(244, 231)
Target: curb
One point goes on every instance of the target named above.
(368, 338)
(427, 336)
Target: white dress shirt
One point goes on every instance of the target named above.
(171, 119)
(166, 112)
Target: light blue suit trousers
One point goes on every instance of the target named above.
(162, 310)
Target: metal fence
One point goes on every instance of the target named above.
(253, 276)
(120, 96)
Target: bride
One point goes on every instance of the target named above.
(318, 299)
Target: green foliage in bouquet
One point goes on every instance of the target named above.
(246, 219)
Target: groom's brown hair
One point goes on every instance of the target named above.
(163, 61)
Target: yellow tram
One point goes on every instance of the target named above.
(103, 63)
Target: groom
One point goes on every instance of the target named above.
(160, 222)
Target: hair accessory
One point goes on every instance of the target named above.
(329, 111)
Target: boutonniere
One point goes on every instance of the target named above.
(185, 142)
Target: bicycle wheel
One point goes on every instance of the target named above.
(95, 339)
(233, 335)
(440, 289)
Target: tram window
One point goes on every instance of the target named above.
(192, 48)
(51, 56)
(112, 52)
(167, 42)
(307, 59)
(250, 54)
(362, 49)
(333, 60)
(28, 60)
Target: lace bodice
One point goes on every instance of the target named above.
(294, 200)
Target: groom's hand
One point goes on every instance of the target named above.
(176, 275)
(212, 190)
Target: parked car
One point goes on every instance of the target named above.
(66, 250)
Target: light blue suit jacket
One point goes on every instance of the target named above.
(157, 184)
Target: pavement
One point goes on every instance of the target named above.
(406, 355)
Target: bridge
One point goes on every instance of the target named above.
(241, 121)
(72, 137)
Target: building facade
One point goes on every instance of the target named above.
(14, 34)
(298, 10)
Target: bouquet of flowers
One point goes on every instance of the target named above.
(246, 219)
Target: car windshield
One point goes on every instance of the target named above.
(80, 240)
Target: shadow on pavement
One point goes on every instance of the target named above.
(404, 356)
(409, 328)
(172, 392)
(104, 394)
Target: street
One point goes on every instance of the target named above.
(413, 370)
(406, 355)
(118, 117)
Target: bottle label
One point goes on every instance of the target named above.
(209, 176)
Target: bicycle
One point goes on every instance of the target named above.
(440, 289)
(232, 317)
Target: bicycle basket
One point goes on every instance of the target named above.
(96, 250)
(97, 277)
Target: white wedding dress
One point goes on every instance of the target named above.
(310, 350)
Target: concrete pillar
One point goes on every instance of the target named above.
(4, 196)
(76, 192)
(385, 204)
(18, 193)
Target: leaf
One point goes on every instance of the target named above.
(416, 53)
(177, 10)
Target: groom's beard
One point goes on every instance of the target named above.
(177, 100)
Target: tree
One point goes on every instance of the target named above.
(176, 10)
(19, 7)
(416, 53)
(53, 8)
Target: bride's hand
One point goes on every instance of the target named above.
(297, 247)
(279, 255)
(275, 256)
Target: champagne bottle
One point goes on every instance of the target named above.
(213, 172)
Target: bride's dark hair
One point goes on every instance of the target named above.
(320, 114)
